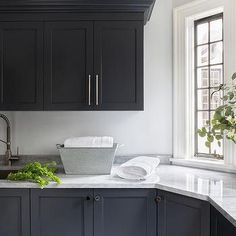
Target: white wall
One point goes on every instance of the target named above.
(177, 3)
(141, 132)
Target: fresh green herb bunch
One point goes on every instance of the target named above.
(224, 119)
(36, 172)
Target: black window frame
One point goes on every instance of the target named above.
(208, 66)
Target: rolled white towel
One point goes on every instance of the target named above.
(89, 141)
(138, 168)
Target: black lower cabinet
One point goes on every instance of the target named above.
(124, 212)
(15, 214)
(220, 226)
(107, 212)
(61, 212)
(182, 216)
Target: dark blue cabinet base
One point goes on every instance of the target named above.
(124, 212)
(107, 212)
(220, 226)
(182, 216)
(99, 212)
(61, 212)
(14, 212)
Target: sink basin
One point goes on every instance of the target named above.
(5, 170)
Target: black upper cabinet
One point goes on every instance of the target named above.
(115, 82)
(21, 65)
(72, 55)
(182, 216)
(118, 65)
(68, 65)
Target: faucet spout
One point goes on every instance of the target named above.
(8, 140)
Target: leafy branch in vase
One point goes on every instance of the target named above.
(223, 123)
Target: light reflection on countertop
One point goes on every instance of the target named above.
(216, 187)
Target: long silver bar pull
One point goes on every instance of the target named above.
(97, 90)
(89, 90)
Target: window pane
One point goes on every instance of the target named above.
(216, 53)
(202, 118)
(203, 99)
(215, 99)
(215, 147)
(202, 55)
(216, 32)
(202, 33)
(216, 77)
(202, 147)
(202, 77)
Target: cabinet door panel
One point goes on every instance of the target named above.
(21, 58)
(220, 226)
(182, 216)
(125, 212)
(118, 58)
(61, 212)
(69, 61)
(15, 215)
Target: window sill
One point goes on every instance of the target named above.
(216, 165)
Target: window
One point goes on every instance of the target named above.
(208, 70)
(214, 21)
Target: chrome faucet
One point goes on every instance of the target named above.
(8, 155)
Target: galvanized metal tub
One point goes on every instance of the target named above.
(87, 161)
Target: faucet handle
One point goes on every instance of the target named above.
(15, 157)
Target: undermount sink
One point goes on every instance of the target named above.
(5, 170)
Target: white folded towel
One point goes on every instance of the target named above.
(89, 142)
(138, 168)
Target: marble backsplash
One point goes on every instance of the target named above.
(23, 159)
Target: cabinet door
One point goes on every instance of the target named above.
(68, 64)
(61, 212)
(15, 215)
(182, 216)
(118, 63)
(220, 226)
(21, 66)
(126, 212)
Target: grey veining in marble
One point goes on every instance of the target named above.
(24, 159)
(216, 187)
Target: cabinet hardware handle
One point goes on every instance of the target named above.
(97, 198)
(97, 90)
(158, 199)
(89, 90)
(88, 198)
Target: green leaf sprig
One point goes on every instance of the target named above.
(38, 173)
(223, 122)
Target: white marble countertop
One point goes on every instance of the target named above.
(216, 187)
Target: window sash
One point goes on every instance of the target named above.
(208, 88)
